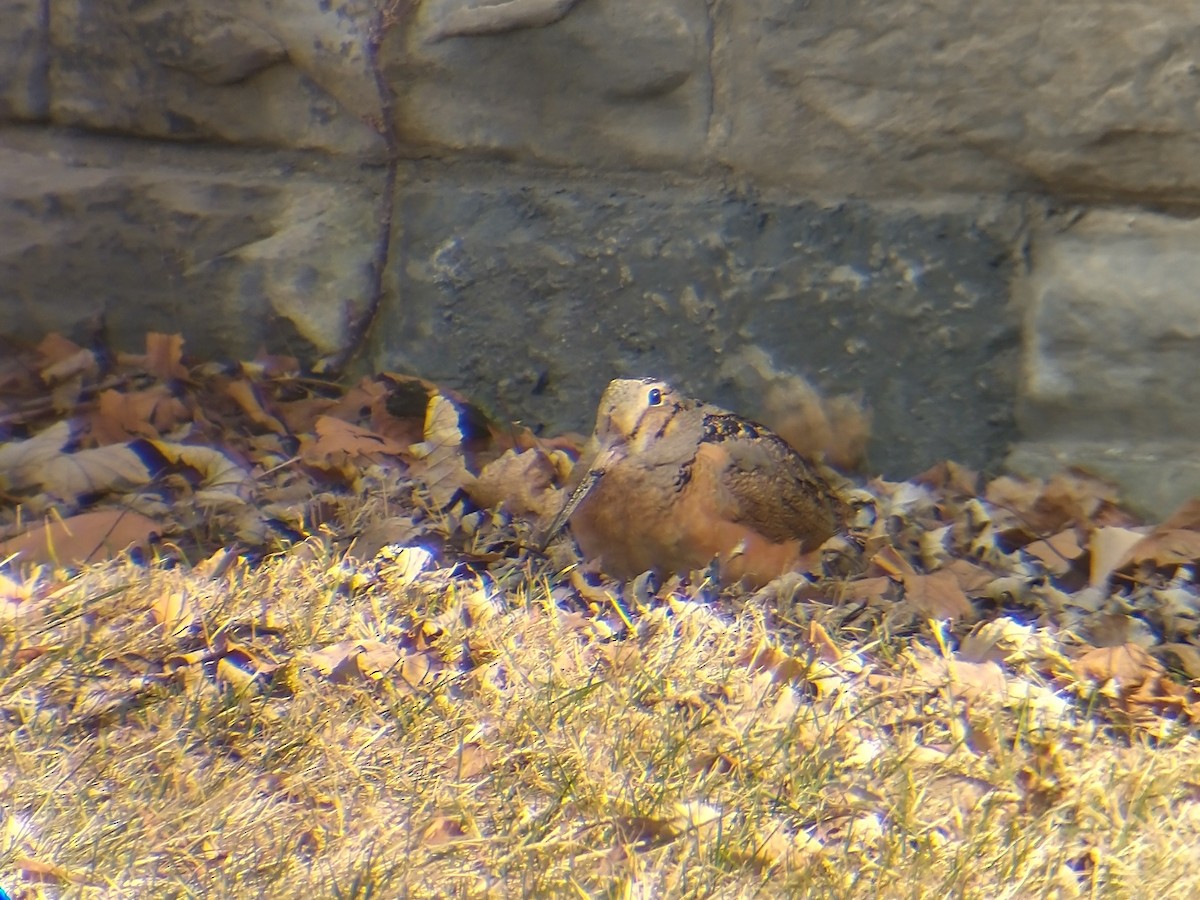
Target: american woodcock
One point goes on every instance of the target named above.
(668, 483)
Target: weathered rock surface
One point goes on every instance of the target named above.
(285, 73)
(534, 296)
(1095, 99)
(234, 250)
(621, 83)
(24, 61)
(1114, 328)
(1111, 351)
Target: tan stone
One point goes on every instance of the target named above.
(24, 57)
(288, 73)
(1112, 328)
(618, 82)
(1096, 98)
(221, 245)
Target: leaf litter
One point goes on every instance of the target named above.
(263, 635)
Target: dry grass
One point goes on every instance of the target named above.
(512, 749)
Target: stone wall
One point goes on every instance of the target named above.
(978, 214)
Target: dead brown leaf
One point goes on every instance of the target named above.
(950, 477)
(439, 461)
(972, 681)
(1071, 497)
(63, 360)
(972, 578)
(164, 356)
(220, 478)
(1110, 548)
(339, 662)
(35, 871)
(249, 398)
(1161, 549)
(1057, 552)
(87, 537)
(937, 596)
(121, 415)
(890, 561)
(865, 590)
(174, 612)
(1188, 656)
(781, 665)
(371, 661)
(342, 448)
(1128, 665)
(1185, 518)
(521, 483)
(443, 830)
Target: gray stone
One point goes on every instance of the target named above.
(1112, 336)
(1112, 329)
(533, 294)
(233, 250)
(623, 83)
(1095, 98)
(24, 60)
(287, 73)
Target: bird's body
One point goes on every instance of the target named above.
(668, 483)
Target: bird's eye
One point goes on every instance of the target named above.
(654, 397)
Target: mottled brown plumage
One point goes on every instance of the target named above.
(668, 483)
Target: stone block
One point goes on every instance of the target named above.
(1090, 98)
(24, 60)
(1112, 334)
(234, 251)
(620, 83)
(532, 293)
(285, 73)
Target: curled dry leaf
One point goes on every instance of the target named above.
(164, 356)
(765, 658)
(79, 363)
(1057, 553)
(247, 395)
(221, 479)
(174, 612)
(1109, 550)
(439, 461)
(520, 483)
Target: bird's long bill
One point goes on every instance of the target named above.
(591, 471)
